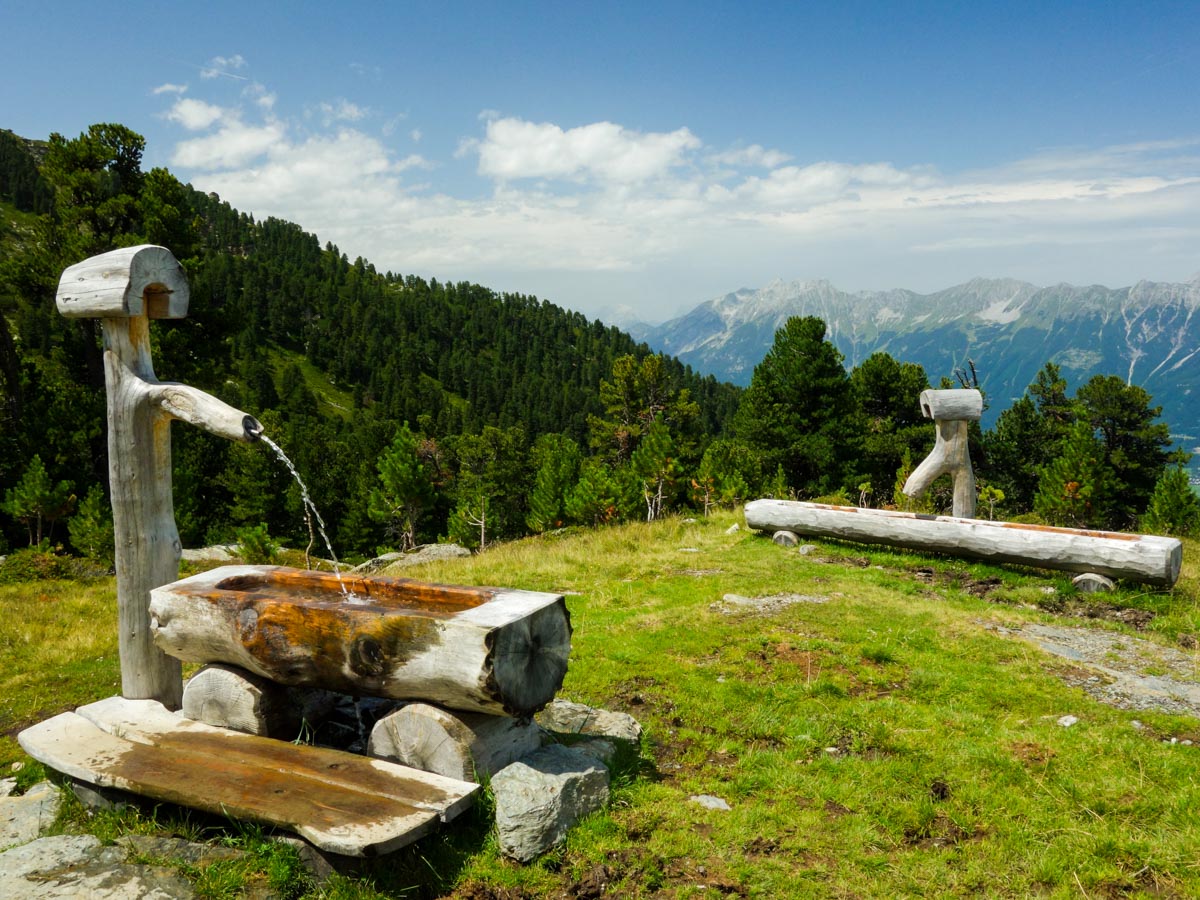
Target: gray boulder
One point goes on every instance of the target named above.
(566, 717)
(540, 797)
(79, 866)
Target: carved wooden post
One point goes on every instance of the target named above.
(952, 413)
(125, 289)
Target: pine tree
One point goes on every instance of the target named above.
(556, 458)
(36, 500)
(796, 412)
(405, 488)
(91, 527)
(1074, 485)
(656, 466)
(1174, 507)
(595, 499)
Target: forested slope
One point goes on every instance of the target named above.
(447, 359)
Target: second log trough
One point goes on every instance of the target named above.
(1137, 557)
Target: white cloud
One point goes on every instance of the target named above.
(235, 144)
(341, 110)
(587, 214)
(195, 115)
(262, 98)
(603, 151)
(221, 66)
(169, 88)
(754, 155)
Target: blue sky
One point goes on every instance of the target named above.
(652, 156)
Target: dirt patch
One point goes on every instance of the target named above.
(477, 891)
(940, 832)
(736, 604)
(1122, 670)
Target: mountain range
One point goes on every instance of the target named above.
(1147, 334)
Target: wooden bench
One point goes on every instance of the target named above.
(341, 802)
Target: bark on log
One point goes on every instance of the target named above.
(1145, 558)
(461, 745)
(480, 649)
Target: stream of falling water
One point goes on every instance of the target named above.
(283, 457)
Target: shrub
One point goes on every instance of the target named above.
(254, 545)
(39, 563)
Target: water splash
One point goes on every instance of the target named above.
(307, 500)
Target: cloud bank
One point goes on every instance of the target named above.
(580, 212)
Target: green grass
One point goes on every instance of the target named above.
(885, 742)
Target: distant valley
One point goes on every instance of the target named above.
(1147, 334)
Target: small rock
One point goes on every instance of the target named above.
(806, 549)
(1136, 724)
(1068, 721)
(708, 801)
(689, 549)
(566, 717)
(540, 797)
(785, 538)
(1092, 583)
(215, 553)
(733, 529)
(18, 766)
(7, 786)
(689, 521)
(23, 818)
(423, 554)
(95, 797)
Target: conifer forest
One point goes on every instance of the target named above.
(419, 410)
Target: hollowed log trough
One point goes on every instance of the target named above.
(1136, 557)
(489, 650)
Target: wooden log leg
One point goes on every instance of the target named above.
(950, 456)
(964, 492)
(229, 697)
(461, 745)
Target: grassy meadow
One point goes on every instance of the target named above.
(882, 738)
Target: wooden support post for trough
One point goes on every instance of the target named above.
(952, 413)
(1137, 557)
(125, 289)
(461, 745)
(229, 697)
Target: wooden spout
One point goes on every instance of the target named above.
(952, 412)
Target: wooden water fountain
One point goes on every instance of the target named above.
(492, 653)
(1135, 557)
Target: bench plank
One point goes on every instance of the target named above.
(341, 802)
